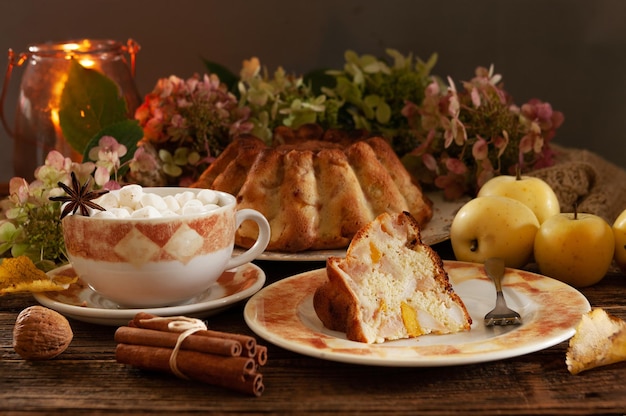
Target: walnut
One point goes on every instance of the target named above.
(41, 333)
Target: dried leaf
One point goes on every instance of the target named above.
(19, 274)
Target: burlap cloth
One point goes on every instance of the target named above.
(598, 186)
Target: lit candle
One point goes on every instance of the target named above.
(37, 127)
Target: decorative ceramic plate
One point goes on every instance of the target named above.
(435, 231)
(283, 314)
(80, 302)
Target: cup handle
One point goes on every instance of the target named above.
(261, 242)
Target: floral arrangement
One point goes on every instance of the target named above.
(187, 123)
(466, 137)
(449, 139)
(282, 100)
(31, 224)
(374, 92)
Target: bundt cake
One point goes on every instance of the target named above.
(389, 286)
(315, 188)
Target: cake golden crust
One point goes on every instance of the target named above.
(389, 286)
(315, 188)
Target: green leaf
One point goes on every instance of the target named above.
(126, 132)
(383, 113)
(225, 75)
(90, 101)
(372, 100)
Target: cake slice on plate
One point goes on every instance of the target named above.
(389, 286)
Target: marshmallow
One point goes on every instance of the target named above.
(191, 207)
(146, 212)
(108, 201)
(153, 200)
(130, 196)
(171, 203)
(132, 202)
(103, 214)
(208, 196)
(121, 212)
(184, 197)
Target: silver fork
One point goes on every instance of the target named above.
(501, 314)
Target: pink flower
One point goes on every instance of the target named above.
(83, 170)
(102, 175)
(143, 161)
(112, 185)
(455, 165)
(501, 143)
(108, 150)
(480, 149)
(18, 190)
(475, 97)
(429, 161)
(57, 161)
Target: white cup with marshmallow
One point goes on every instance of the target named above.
(154, 247)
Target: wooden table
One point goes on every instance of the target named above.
(86, 378)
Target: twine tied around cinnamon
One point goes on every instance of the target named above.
(185, 326)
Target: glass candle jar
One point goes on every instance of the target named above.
(46, 66)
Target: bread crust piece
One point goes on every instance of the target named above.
(368, 293)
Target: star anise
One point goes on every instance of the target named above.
(78, 197)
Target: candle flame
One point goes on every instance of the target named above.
(70, 47)
(87, 63)
(54, 115)
(73, 46)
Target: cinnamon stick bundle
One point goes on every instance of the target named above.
(219, 358)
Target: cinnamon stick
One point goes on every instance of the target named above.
(150, 337)
(149, 321)
(261, 355)
(237, 373)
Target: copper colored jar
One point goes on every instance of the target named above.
(36, 130)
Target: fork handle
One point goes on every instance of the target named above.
(500, 297)
(497, 280)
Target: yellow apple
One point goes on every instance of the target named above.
(576, 248)
(494, 226)
(533, 192)
(619, 232)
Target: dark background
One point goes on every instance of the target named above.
(570, 53)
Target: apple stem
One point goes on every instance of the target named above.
(518, 172)
(474, 245)
(575, 210)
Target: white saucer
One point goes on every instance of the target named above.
(80, 302)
